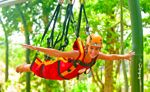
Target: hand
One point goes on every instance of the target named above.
(129, 55)
(28, 46)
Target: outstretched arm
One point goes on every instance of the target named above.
(115, 56)
(53, 52)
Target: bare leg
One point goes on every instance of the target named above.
(23, 68)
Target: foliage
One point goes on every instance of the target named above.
(80, 87)
(102, 18)
(145, 5)
(147, 86)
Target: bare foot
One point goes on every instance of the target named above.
(23, 68)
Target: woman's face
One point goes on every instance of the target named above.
(93, 51)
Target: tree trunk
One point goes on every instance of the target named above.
(137, 43)
(27, 41)
(122, 47)
(108, 86)
(6, 52)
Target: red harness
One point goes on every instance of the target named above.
(62, 68)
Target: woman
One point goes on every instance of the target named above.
(72, 63)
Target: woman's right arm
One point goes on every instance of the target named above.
(53, 52)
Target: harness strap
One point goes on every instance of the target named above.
(41, 70)
(59, 73)
(47, 27)
(79, 46)
(65, 28)
(79, 21)
(87, 23)
(85, 64)
(35, 57)
(70, 70)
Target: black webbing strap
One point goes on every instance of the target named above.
(87, 23)
(50, 43)
(50, 40)
(54, 17)
(72, 20)
(59, 73)
(41, 70)
(79, 21)
(47, 27)
(34, 60)
(85, 64)
(64, 26)
(66, 41)
(64, 37)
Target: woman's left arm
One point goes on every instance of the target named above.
(115, 56)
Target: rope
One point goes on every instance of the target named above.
(64, 25)
(87, 23)
(79, 20)
(47, 27)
